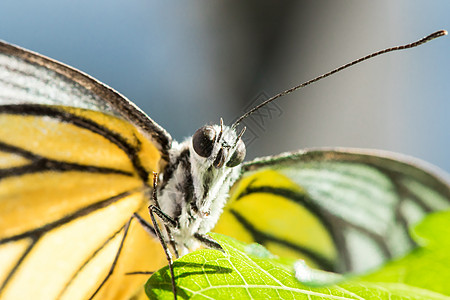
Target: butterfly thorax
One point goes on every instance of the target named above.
(195, 185)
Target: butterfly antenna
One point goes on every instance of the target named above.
(286, 92)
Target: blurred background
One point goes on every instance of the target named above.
(190, 63)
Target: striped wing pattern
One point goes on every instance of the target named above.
(355, 207)
(70, 179)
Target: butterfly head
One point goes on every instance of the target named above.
(220, 145)
(199, 186)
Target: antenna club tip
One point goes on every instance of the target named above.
(435, 35)
(440, 33)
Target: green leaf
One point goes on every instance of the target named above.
(250, 271)
(428, 266)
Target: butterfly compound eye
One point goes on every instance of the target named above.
(203, 141)
(238, 155)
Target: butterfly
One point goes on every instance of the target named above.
(80, 166)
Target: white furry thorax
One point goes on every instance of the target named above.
(198, 203)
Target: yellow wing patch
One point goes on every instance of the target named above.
(148, 154)
(268, 208)
(62, 141)
(140, 253)
(10, 160)
(52, 196)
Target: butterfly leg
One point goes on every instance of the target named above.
(208, 241)
(168, 223)
(167, 220)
